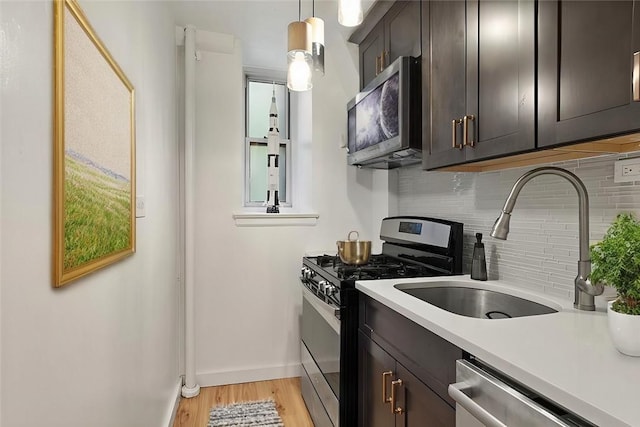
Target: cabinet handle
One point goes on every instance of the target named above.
(636, 76)
(383, 63)
(378, 67)
(385, 399)
(454, 134)
(465, 131)
(395, 409)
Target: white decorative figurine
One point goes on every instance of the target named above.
(273, 149)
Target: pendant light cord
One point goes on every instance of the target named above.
(299, 8)
(313, 8)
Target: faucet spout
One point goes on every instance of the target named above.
(584, 290)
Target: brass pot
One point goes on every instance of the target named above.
(352, 251)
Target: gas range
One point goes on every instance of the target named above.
(413, 247)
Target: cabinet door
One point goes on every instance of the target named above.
(402, 31)
(446, 83)
(500, 77)
(586, 70)
(373, 363)
(370, 52)
(419, 403)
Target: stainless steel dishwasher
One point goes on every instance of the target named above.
(487, 398)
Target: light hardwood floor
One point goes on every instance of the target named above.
(285, 392)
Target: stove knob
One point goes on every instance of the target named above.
(308, 273)
(302, 272)
(329, 289)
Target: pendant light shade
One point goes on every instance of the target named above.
(299, 60)
(317, 43)
(350, 12)
(317, 40)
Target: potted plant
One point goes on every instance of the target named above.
(616, 262)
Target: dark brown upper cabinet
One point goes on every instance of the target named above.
(396, 34)
(478, 81)
(370, 52)
(589, 63)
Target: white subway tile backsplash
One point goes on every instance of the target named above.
(542, 249)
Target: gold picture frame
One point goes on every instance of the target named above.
(94, 151)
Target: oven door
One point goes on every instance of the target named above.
(321, 354)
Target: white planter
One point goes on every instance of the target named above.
(625, 331)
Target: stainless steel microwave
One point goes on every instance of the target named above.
(384, 119)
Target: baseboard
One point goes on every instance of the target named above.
(172, 406)
(207, 379)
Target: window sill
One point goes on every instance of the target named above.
(275, 220)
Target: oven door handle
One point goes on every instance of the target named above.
(327, 311)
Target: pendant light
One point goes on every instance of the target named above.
(299, 60)
(317, 39)
(350, 12)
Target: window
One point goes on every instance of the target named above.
(258, 93)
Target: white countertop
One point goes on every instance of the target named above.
(566, 356)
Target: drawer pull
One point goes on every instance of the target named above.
(385, 399)
(395, 409)
(465, 130)
(454, 134)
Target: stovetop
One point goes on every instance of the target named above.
(379, 267)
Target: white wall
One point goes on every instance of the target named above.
(542, 247)
(248, 294)
(101, 351)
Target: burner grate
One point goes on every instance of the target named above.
(379, 267)
(334, 261)
(382, 271)
(328, 260)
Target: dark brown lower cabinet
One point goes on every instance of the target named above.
(393, 396)
(375, 371)
(403, 371)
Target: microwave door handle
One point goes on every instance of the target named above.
(481, 414)
(636, 76)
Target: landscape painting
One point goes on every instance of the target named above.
(94, 151)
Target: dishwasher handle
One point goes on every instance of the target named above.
(456, 391)
(495, 401)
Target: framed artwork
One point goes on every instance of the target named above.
(94, 151)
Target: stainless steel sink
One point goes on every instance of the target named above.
(473, 302)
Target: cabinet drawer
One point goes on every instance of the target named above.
(430, 357)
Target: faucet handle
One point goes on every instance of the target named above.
(583, 283)
(589, 288)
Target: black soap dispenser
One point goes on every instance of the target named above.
(479, 262)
